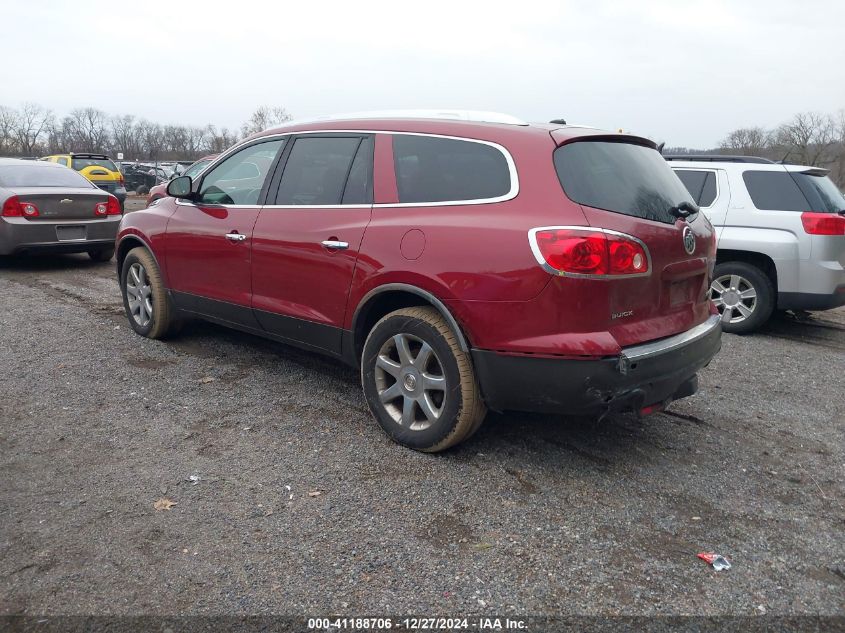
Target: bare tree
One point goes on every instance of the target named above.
(152, 139)
(749, 141)
(8, 143)
(808, 138)
(30, 124)
(220, 141)
(86, 130)
(125, 136)
(263, 118)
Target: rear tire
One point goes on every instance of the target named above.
(142, 190)
(101, 255)
(419, 384)
(145, 298)
(747, 295)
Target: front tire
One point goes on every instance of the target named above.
(145, 298)
(744, 296)
(419, 384)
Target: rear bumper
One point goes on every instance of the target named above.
(811, 301)
(653, 373)
(19, 235)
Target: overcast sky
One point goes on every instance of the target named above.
(683, 72)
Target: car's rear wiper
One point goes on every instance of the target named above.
(684, 209)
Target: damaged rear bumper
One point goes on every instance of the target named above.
(653, 373)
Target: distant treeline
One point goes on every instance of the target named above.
(33, 131)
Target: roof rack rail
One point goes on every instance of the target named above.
(719, 158)
(454, 115)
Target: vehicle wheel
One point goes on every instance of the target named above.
(142, 190)
(101, 255)
(744, 296)
(144, 296)
(418, 383)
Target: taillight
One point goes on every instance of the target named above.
(587, 251)
(14, 208)
(113, 207)
(823, 223)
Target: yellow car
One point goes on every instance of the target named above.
(98, 168)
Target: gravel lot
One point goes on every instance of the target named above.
(303, 506)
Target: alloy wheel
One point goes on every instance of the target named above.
(410, 381)
(139, 294)
(734, 296)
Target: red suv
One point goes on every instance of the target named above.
(461, 264)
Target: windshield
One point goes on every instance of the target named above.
(620, 177)
(820, 192)
(40, 176)
(196, 168)
(81, 163)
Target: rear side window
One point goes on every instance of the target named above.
(620, 177)
(700, 184)
(359, 185)
(774, 191)
(41, 176)
(432, 169)
(81, 163)
(316, 171)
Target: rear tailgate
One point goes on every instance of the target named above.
(623, 184)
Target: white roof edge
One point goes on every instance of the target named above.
(480, 116)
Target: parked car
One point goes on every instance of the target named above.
(98, 168)
(46, 207)
(781, 235)
(460, 264)
(160, 190)
(141, 177)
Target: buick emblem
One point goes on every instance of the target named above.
(689, 240)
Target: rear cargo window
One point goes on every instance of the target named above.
(432, 169)
(700, 184)
(820, 192)
(81, 163)
(40, 176)
(620, 177)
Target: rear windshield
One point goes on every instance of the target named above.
(620, 177)
(792, 191)
(40, 176)
(81, 163)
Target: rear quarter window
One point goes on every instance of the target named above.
(620, 177)
(434, 169)
(774, 191)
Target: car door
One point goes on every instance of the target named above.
(306, 239)
(208, 238)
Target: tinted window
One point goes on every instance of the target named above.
(621, 177)
(821, 193)
(40, 176)
(700, 184)
(62, 161)
(774, 191)
(359, 185)
(81, 163)
(430, 169)
(239, 178)
(316, 170)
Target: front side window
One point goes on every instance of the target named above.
(700, 184)
(433, 169)
(317, 170)
(61, 160)
(240, 177)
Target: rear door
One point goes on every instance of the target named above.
(209, 240)
(306, 239)
(628, 187)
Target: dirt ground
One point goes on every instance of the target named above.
(284, 496)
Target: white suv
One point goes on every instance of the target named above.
(780, 231)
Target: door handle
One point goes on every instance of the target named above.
(235, 237)
(335, 244)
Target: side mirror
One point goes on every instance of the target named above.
(180, 187)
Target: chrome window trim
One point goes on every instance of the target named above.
(715, 173)
(535, 249)
(510, 195)
(655, 348)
